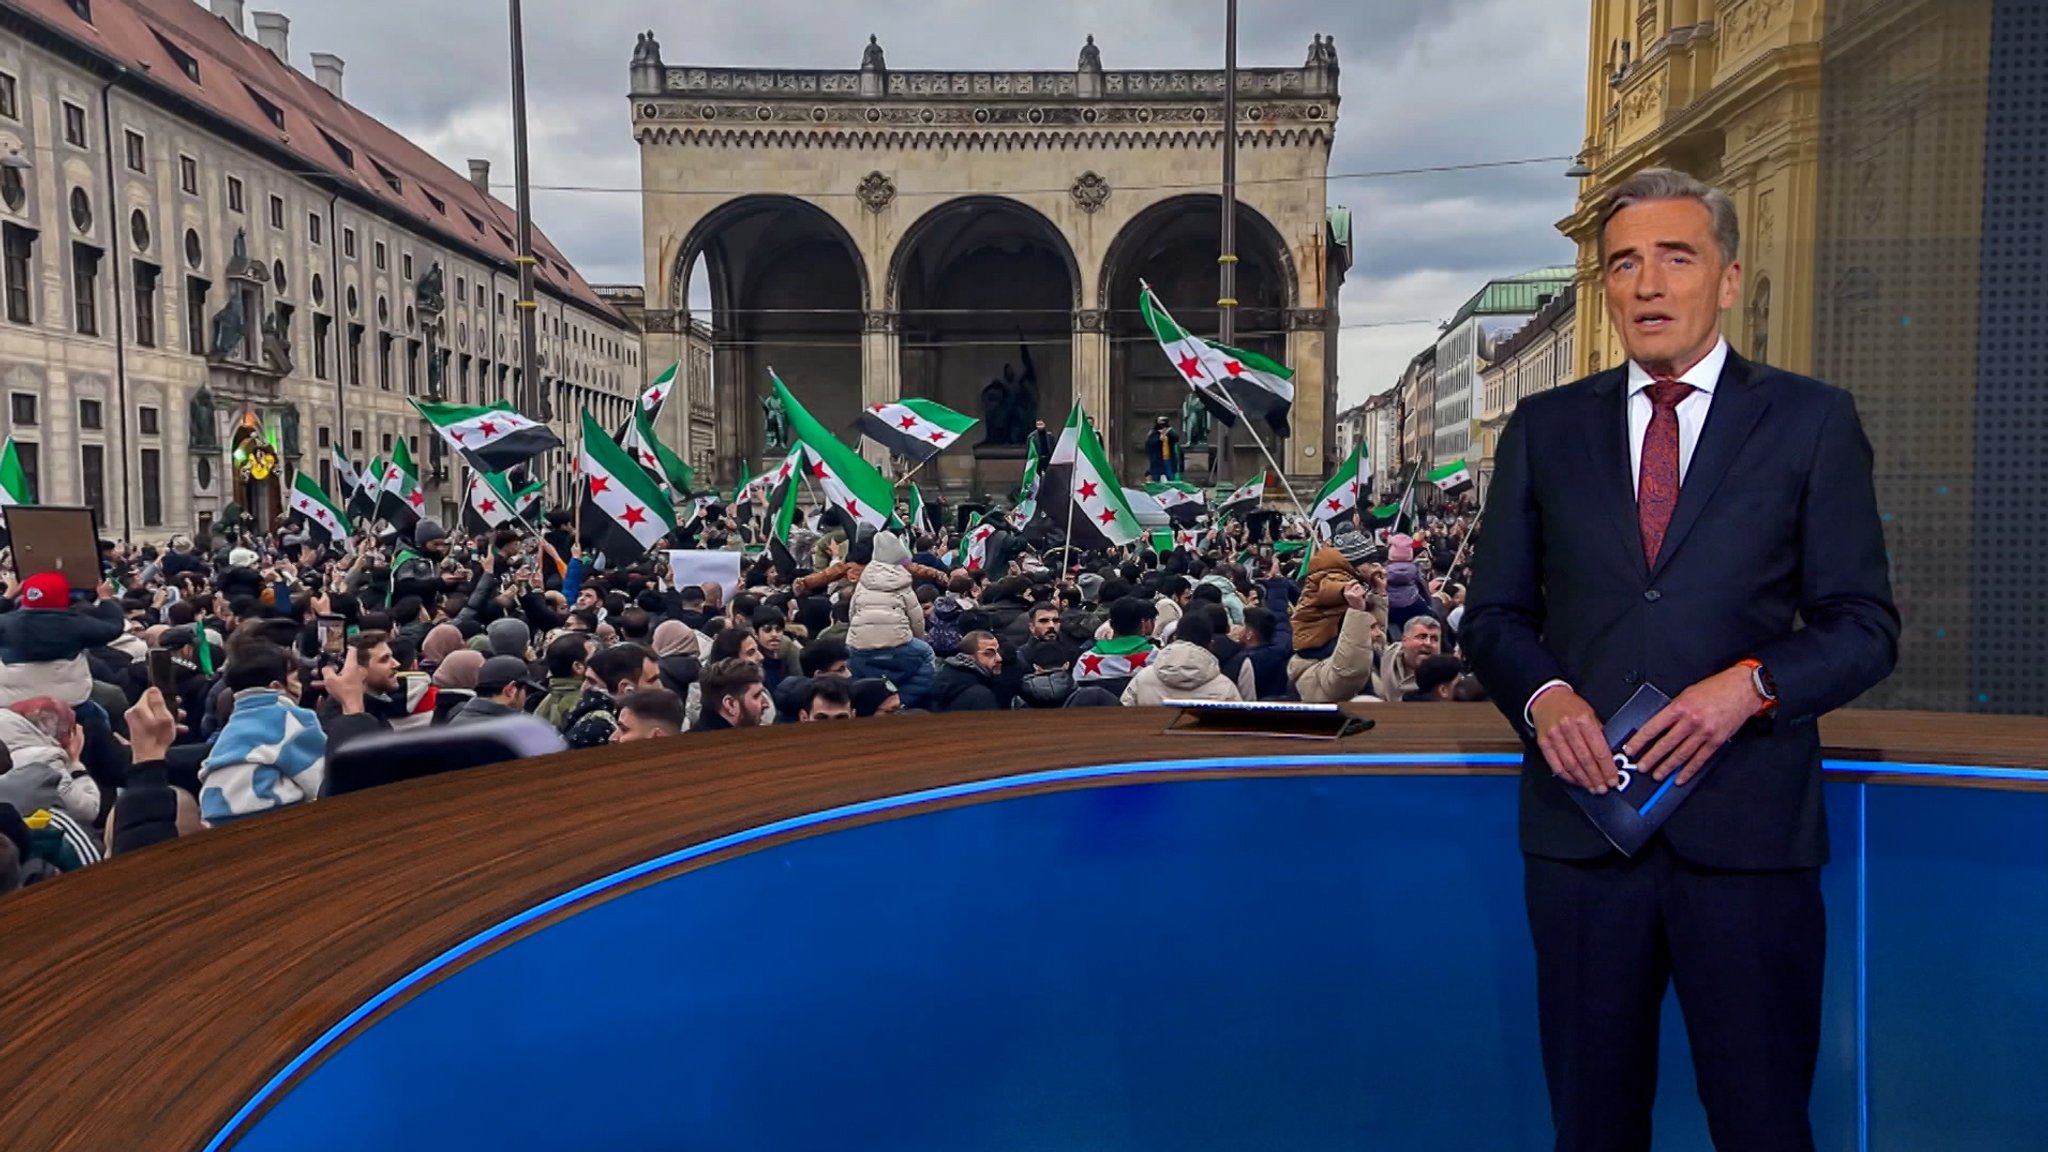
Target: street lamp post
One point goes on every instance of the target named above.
(529, 356)
(1226, 257)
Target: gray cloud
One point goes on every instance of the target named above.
(1426, 82)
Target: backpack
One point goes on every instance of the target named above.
(943, 631)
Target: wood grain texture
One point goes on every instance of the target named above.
(145, 999)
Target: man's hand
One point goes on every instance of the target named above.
(1357, 598)
(1690, 729)
(105, 591)
(1572, 740)
(151, 727)
(322, 606)
(345, 684)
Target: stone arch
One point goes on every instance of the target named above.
(1172, 243)
(983, 290)
(789, 287)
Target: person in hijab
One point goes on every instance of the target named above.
(455, 680)
(678, 654)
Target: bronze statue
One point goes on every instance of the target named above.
(1091, 56)
(288, 429)
(871, 56)
(204, 437)
(428, 297)
(230, 325)
(776, 433)
(238, 262)
(277, 345)
(1194, 421)
(1009, 404)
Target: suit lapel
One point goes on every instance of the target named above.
(1738, 404)
(1614, 488)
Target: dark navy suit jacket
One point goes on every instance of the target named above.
(1775, 552)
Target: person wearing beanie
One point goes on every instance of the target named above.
(1407, 591)
(885, 634)
(509, 636)
(43, 643)
(1334, 621)
(416, 568)
(876, 697)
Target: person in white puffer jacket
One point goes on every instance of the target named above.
(885, 625)
(1183, 670)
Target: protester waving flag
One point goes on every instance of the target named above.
(914, 428)
(490, 503)
(492, 438)
(914, 519)
(1028, 490)
(13, 481)
(400, 503)
(750, 487)
(310, 500)
(848, 482)
(1183, 502)
(974, 545)
(1229, 380)
(1244, 498)
(624, 511)
(779, 487)
(1079, 476)
(1339, 494)
(1452, 478)
(362, 501)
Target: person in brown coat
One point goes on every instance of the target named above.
(1333, 624)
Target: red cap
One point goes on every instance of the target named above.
(46, 590)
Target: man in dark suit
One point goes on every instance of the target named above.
(1709, 526)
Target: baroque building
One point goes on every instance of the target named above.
(979, 238)
(205, 246)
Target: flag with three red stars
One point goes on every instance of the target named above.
(847, 481)
(1339, 494)
(625, 512)
(1229, 380)
(657, 390)
(1079, 471)
(493, 501)
(311, 501)
(492, 438)
(914, 428)
(1117, 658)
(400, 503)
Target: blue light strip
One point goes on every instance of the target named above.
(1863, 968)
(604, 884)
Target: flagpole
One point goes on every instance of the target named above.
(1470, 531)
(907, 476)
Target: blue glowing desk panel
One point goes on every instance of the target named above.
(1237, 963)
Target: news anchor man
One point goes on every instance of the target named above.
(1707, 525)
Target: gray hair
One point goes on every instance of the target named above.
(1669, 184)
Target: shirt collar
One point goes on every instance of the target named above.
(1703, 375)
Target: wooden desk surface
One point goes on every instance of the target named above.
(146, 999)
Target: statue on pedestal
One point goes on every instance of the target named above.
(1009, 404)
(871, 56)
(230, 325)
(647, 50)
(1091, 56)
(204, 437)
(776, 433)
(1194, 421)
(428, 297)
(277, 346)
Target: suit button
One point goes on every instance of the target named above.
(1629, 678)
(1653, 595)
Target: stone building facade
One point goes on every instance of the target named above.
(979, 238)
(1536, 358)
(205, 245)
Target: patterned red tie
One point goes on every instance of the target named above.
(1657, 481)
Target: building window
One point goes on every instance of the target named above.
(10, 98)
(85, 289)
(91, 416)
(74, 125)
(321, 325)
(148, 420)
(405, 265)
(20, 271)
(188, 175)
(195, 315)
(277, 212)
(387, 443)
(384, 362)
(21, 409)
(355, 439)
(138, 152)
(92, 475)
(313, 227)
(348, 243)
(283, 313)
(327, 474)
(326, 437)
(412, 367)
(193, 255)
(30, 456)
(152, 487)
(234, 194)
(355, 354)
(383, 256)
(145, 304)
(81, 9)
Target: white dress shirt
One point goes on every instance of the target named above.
(1692, 416)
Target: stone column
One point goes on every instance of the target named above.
(1091, 376)
(881, 371)
(1307, 348)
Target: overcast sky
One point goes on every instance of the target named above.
(1425, 82)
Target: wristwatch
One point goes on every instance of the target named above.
(1766, 688)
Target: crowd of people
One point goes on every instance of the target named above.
(204, 683)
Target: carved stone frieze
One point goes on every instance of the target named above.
(1308, 319)
(876, 191)
(1161, 85)
(1090, 191)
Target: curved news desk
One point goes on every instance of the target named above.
(990, 932)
